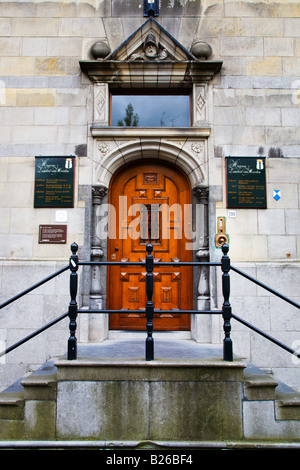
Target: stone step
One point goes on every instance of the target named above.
(12, 412)
(287, 403)
(227, 400)
(259, 385)
(177, 447)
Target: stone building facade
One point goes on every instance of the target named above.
(239, 61)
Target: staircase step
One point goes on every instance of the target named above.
(11, 405)
(41, 384)
(114, 378)
(12, 401)
(287, 403)
(12, 411)
(259, 385)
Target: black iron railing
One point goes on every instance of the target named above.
(149, 307)
(22, 294)
(74, 311)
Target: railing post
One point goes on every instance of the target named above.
(149, 304)
(72, 342)
(227, 342)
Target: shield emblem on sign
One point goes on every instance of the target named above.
(259, 164)
(68, 163)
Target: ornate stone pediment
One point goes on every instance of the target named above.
(151, 42)
(150, 57)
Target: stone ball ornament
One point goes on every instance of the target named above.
(201, 50)
(100, 50)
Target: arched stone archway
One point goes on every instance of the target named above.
(187, 154)
(186, 151)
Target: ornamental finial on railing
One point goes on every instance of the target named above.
(227, 342)
(225, 248)
(149, 304)
(72, 342)
(74, 248)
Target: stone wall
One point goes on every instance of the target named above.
(47, 108)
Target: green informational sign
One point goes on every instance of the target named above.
(246, 182)
(54, 182)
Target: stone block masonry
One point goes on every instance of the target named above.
(157, 392)
(251, 109)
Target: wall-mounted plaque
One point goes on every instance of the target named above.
(52, 234)
(246, 182)
(54, 182)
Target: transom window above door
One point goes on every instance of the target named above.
(150, 110)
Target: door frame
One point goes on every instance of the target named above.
(188, 150)
(184, 181)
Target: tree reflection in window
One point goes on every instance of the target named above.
(130, 119)
(150, 110)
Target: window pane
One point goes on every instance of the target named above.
(150, 110)
(150, 222)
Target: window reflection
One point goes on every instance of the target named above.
(150, 110)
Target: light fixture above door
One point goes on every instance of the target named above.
(151, 7)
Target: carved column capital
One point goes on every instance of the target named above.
(201, 193)
(98, 193)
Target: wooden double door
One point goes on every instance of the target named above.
(149, 202)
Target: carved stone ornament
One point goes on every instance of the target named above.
(103, 148)
(201, 194)
(197, 147)
(98, 192)
(101, 103)
(151, 50)
(200, 103)
(165, 58)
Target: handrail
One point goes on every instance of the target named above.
(142, 263)
(21, 294)
(250, 278)
(149, 264)
(262, 333)
(34, 286)
(206, 312)
(32, 335)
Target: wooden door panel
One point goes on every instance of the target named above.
(149, 190)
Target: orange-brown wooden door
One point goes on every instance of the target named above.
(147, 202)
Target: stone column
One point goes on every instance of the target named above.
(98, 322)
(201, 326)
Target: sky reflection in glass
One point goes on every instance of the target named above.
(152, 110)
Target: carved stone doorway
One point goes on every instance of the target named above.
(157, 197)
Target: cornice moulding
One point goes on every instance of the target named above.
(171, 74)
(153, 132)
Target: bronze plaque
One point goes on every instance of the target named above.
(246, 182)
(53, 234)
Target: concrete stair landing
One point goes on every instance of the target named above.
(187, 397)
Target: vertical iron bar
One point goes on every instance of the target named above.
(227, 342)
(72, 342)
(149, 304)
